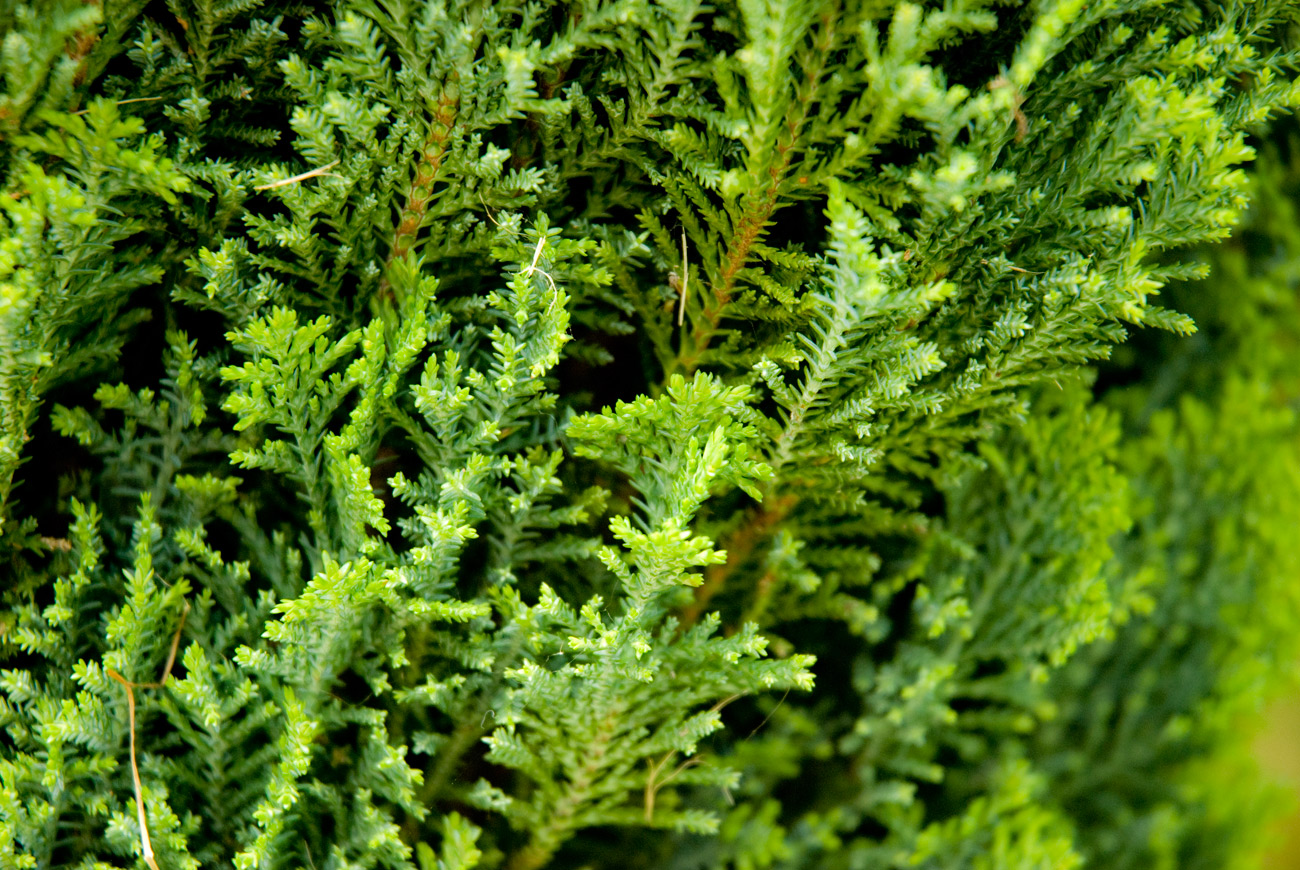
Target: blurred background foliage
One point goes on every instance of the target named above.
(1278, 753)
(1248, 340)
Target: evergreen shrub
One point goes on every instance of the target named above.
(629, 434)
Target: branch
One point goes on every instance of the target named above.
(146, 845)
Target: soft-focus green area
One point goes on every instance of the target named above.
(1277, 750)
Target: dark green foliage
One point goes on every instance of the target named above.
(643, 435)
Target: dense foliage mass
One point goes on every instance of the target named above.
(629, 434)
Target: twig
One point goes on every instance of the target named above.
(532, 267)
(686, 280)
(1014, 269)
(769, 715)
(302, 176)
(652, 786)
(124, 102)
(487, 210)
(537, 255)
(146, 845)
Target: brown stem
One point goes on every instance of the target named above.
(146, 847)
(748, 231)
(653, 783)
(426, 175)
(79, 49)
(740, 545)
(752, 223)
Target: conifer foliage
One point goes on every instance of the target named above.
(624, 434)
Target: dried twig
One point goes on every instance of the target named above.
(532, 267)
(1014, 269)
(686, 281)
(487, 210)
(145, 844)
(769, 715)
(302, 176)
(124, 102)
(652, 787)
(653, 783)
